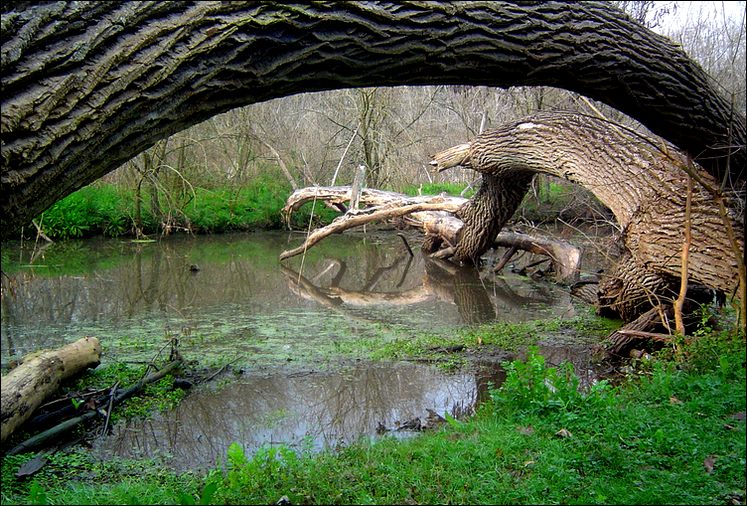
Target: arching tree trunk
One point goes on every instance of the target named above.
(643, 180)
(88, 85)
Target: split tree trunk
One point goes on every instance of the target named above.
(642, 179)
(39, 375)
(89, 85)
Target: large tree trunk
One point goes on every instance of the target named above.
(484, 216)
(39, 375)
(643, 180)
(88, 85)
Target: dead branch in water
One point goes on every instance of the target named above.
(59, 429)
(435, 216)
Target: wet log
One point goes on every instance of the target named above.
(39, 375)
(565, 257)
(42, 438)
(436, 216)
(623, 339)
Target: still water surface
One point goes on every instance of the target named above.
(131, 295)
(229, 299)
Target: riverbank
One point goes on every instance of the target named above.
(668, 430)
(112, 210)
(671, 431)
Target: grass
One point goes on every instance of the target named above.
(509, 336)
(110, 210)
(158, 396)
(666, 435)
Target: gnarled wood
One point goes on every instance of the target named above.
(88, 85)
(641, 179)
(623, 339)
(39, 375)
(438, 218)
(565, 257)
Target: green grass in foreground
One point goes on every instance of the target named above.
(665, 436)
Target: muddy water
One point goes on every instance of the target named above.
(228, 299)
(230, 295)
(306, 411)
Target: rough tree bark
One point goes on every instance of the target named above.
(642, 180)
(39, 375)
(88, 85)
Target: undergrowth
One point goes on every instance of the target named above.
(672, 433)
(110, 210)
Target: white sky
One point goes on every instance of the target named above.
(691, 11)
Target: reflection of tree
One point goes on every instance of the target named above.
(444, 281)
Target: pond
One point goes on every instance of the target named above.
(228, 299)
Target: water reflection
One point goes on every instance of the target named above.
(306, 410)
(243, 303)
(117, 289)
(478, 297)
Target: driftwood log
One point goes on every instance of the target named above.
(39, 375)
(436, 216)
(117, 396)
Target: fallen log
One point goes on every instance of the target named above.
(432, 215)
(623, 339)
(565, 257)
(38, 440)
(39, 375)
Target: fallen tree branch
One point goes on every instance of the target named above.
(41, 438)
(621, 340)
(39, 375)
(356, 219)
(565, 257)
(656, 336)
(433, 215)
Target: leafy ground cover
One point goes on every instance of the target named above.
(672, 432)
(112, 210)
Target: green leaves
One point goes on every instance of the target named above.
(236, 457)
(533, 388)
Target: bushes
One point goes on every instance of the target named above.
(533, 388)
(96, 209)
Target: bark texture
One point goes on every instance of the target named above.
(88, 85)
(39, 375)
(487, 212)
(641, 179)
